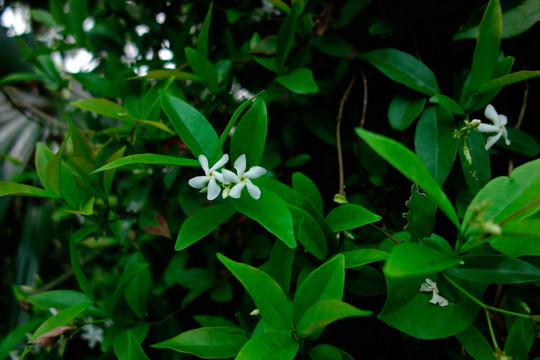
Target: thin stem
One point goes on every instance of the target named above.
(338, 135)
(491, 332)
(386, 233)
(365, 101)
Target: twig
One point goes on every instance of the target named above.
(365, 102)
(338, 135)
(520, 119)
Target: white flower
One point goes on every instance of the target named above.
(431, 286)
(92, 334)
(210, 176)
(242, 178)
(498, 127)
(52, 36)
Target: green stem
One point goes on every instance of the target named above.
(491, 332)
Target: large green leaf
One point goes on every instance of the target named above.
(519, 237)
(475, 161)
(269, 346)
(149, 159)
(488, 42)
(325, 312)
(508, 79)
(9, 188)
(421, 215)
(413, 259)
(249, 137)
(409, 310)
(361, 257)
(208, 342)
(350, 216)
(325, 282)
(63, 299)
(434, 142)
(191, 125)
(201, 223)
(496, 269)
(408, 163)
(271, 212)
(403, 68)
(268, 296)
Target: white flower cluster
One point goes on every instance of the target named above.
(232, 183)
(498, 127)
(431, 286)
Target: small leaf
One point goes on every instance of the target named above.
(360, 257)
(403, 110)
(508, 79)
(208, 342)
(300, 81)
(325, 312)
(309, 233)
(475, 344)
(447, 103)
(421, 215)
(474, 161)
(249, 137)
(150, 159)
(269, 346)
(9, 188)
(51, 337)
(154, 223)
(350, 216)
(334, 46)
(103, 107)
(285, 37)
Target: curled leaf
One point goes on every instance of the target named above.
(51, 337)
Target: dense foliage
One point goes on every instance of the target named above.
(270, 180)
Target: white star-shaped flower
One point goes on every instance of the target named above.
(210, 177)
(93, 334)
(431, 286)
(242, 178)
(498, 127)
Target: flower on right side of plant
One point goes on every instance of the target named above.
(498, 127)
(431, 286)
(242, 178)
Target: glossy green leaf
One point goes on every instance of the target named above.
(324, 283)
(271, 212)
(202, 39)
(203, 68)
(249, 137)
(360, 257)
(350, 216)
(128, 347)
(474, 161)
(519, 237)
(413, 259)
(475, 344)
(408, 163)
(103, 107)
(168, 73)
(403, 68)
(309, 233)
(77, 270)
(156, 124)
(208, 342)
(268, 296)
(421, 215)
(434, 142)
(149, 159)
(495, 269)
(403, 110)
(269, 346)
(447, 103)
(62, 299)
(9, 188)
(193, 128)
(306, 187)
(300, 81)
(333, 46)
(81, 144)
(201, 223)
(520, 339)
(488, 42)
(409, 310)
(328, 352)
(325, 312)
(285, 38)
(508, 79)
(43, 156)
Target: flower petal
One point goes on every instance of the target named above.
(491, 114)
(240, 165)
(253, 190)
(254, 172)
(492, 140)
(198, 182)
(487, 128)
(204, 163)
(236, 191)
(503, 120)
(221, 162)
(213, 189)
(229, 177)
(426, 288)
(505, 134)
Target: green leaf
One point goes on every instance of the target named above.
(522, 142)
(81, 144)
(201, 223)
(306, 187)
(208, 342)
(53, 171)
(9, 188)
(249, 137)
(130, 271)
(413, 259)
(328, 352)
(508, 79)
(360, 257)
(421, 215)
(285, 38)
(406, 162)
(202, 40)
(309, 232)
(475, 344)
(474, 161)
(16, 336)
(349, 11)
(409, 310)
(271, 212)
(495, 269)
(324, 283)
(300, 81)
(486, 52)
(137, 290)
(268, 296)
(520, 339)
(43, 156)
(447, 103)
(167, 74)
(62, 299)
(149, 159)
(403, 110)
(108, 175)
(434, 142)
(519, 237)
(325, 312)
(103, 107)
(203, 68)
(269, 346)
(334, 46)
(127, 345)
(403, 68)
(193, 128)
(77, 270)
(350, 216)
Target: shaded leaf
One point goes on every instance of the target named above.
(421, 215)
(269, 346)
(51, 337)
(403, 110)
(300, 81)
(350, 216)
(149, 159)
